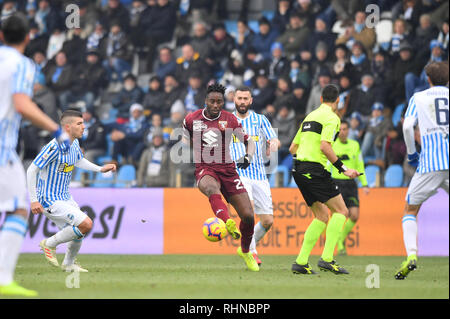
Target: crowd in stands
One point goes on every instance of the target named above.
(178, 47)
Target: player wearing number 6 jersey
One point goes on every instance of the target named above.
(254, 178)
(48, 184)
(429, 110)
(210, 130)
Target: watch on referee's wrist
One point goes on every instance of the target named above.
(340, 166)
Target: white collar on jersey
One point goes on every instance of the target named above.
(240, 118)
(203, 113)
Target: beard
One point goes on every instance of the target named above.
(242, 109)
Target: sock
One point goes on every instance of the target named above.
(349, 224)
(219, 208)
(334, 228)
(73, 248)
(65, 235)
(409, 225)
(11, 238)
(310, 238)
(247, 230)
(258, 234)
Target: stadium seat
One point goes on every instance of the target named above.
(397, 115)
(292, 183)
(268, 14)
(254, 25)
(126, 176)
(393, 176)
(286, 175)
(231, 27)
(372, 173)
(101, 181)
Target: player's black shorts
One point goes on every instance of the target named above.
(315, 183)
(349, 191)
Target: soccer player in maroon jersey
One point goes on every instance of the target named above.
(210, 131)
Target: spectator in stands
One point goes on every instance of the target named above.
(396, 76)
(299, 100)
(55, 42)
(373, 143)
(172, 92)
(409, 10)
(279, 64)
(136, 10)
(362, 97)
(201, 41)
(126, 137)
(158, 28)
(93, 143)
(321, 62)
(117, 52)
(75, 46)
(310, 9)
(295, 36)
(153, 168)
(222, 44)
(253, 63)
(193, 96)
(342, 62)
(299, 73)
(425, 33)
(359, 60)
(358, 31)
(316, 92)
(190, 61)
(262, 41)
(282, 92)
(47, 18)
(443, 36)
(356, 129)
(395, 145)
(380, 67)
(263, 93)
(88, 18)
(400, 34)
(45, 98)
(31, 9)
(321, 34)
(154, 98)
(229, 99)
(128, 96)
(177, 114)
(38, 41)
(116, 12)
(40, 60)
(345, 85)
(89, 78)
(165, 64)
(286, 124)
(59, 78)
(244, 35)
(280, 19)
(94, 40)
(9, 7)
(234, 74)
(345, 9)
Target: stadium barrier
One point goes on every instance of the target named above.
(169, 221)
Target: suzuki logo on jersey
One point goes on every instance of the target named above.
(210, 139)
(65, 168)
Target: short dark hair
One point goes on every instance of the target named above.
(437, 72)
(15, 28)
(244, 88)
(71, 113)
(346, 123)
(216, 87)
(330, 93)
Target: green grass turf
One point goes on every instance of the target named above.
(207, 276)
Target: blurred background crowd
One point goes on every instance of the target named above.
(136, 68)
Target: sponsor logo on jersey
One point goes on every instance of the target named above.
(199, 126)
(65, 168)
(210, 139)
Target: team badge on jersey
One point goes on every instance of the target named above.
(223, 125)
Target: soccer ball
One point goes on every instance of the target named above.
(214, 229)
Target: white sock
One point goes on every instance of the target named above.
(258, 234)
(11, 238)
(65, 235)
(409, 225)
(73, 248)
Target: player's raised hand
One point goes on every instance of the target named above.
(351, 173)
(63, 140)
(108, 168)
(244, 162)
(36, 208)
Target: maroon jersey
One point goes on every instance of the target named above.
(211, 138)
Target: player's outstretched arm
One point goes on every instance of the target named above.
(32, 172)
(89, 166)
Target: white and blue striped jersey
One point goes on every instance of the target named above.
(17, 75)
(55, 172)
(258, 127)
(430, 110)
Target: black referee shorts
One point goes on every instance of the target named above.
(349, 191)
(315, 183)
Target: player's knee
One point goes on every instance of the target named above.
(248, 219)
(267, 224)
(86, 225)
(21, 212)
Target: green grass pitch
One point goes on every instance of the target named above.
(225, 276)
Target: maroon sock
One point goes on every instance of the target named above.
(247, 229)
(219, 207)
